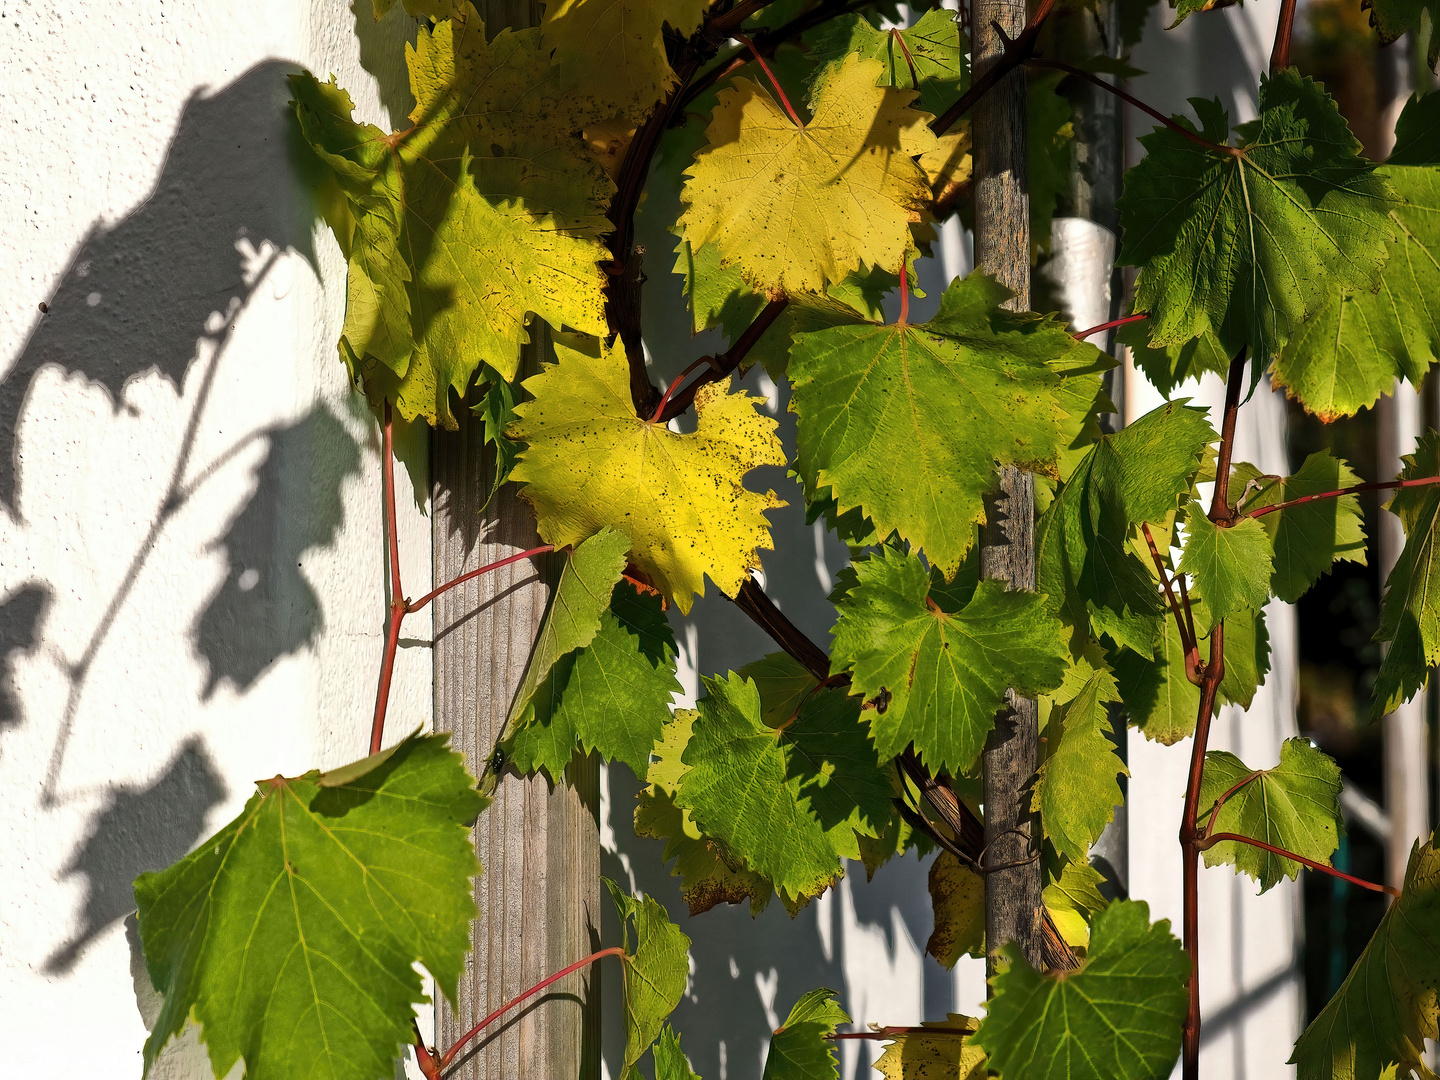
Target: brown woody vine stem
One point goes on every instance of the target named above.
(1280, 55)
(726, 362)
(1384, 485)
(1222, 515)
(1017, 51)
(1130, 99)
(893, 1030)
(449, 1055)
(1210, 841)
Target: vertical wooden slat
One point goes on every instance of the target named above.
(1002, 250)
(539, 894)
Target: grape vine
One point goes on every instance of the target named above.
(814, 156)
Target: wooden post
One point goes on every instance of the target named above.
(1002, 250)
(539, 894)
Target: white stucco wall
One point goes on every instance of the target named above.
(191, 590)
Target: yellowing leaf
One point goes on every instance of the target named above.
(486, 210)
(795, 208)
(590, 462)
(957, 899)
(614, 49)
(948, 1054)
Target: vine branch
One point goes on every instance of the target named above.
(1017, 51)
(1210, 841)
(725, 363)
(397, 605)
(1383, 485)
(1280, 54)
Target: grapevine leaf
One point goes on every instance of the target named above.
(1232, 566)
(937, 670)
(1118, 1017)
(1076, 793)
(656, 970)
(612, 696)
(290, 935)
(485, 210)
(581, 598)
(795, 207)
(1050, 133)
(1247, 245)
(861, 391)
(957, 900)
(1133, 476)
(1167, 366)
(930, 57)
(1295, 806)
(948, 1054)
(1161, 700)
(1391, 18)
(799, 1049)
(1410, 612)
(740, 789)
(1071, 899)
(1307, 539)
(784, 684)
(670, 1061)
(1359, 340)
(615, 51)
(590, 462)
(708, 873)
(1416, 129)
(1387, 1006)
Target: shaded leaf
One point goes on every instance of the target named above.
(1388, 1004)
(930, 57)
(1072, 899)
(957, 900)
(657, 969)
(947, 1054)
(799, 1049)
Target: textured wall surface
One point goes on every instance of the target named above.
(191, 590)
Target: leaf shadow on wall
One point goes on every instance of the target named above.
(21, 615)
(266, 609)
(141, 295)
(140, 829)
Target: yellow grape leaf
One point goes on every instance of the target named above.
(615, 50)
(591, 462)
(794, 208)
(487, 210)
(957, 897)
(947, 1054)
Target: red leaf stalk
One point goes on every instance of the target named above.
(779, 90)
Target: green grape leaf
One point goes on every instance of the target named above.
(1232, 566)
(799, 1049)
(1161, 700)
(487, 209)
(1295, 806)
(795, 208)
(947, 1054)
(1388, 1005)
(573, 619)
(1118, 1017)
(1360, 340)
(657, 969)
(784, 684)
(1416, 129)
(709, 874)
(766, 794)
(930, 57)
(1391, 18)
(1136, 475)
(1071, 899)
(861, 391)
(957, 900)
(1167, 366)
(590, 462)
(1076, 793)
(1310, 538)
(290, 935)
(614, 50)
(1247, 244)
(611, 696)
(1410, 611)
(670, 1061)
(497, 409)
(937, 670)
